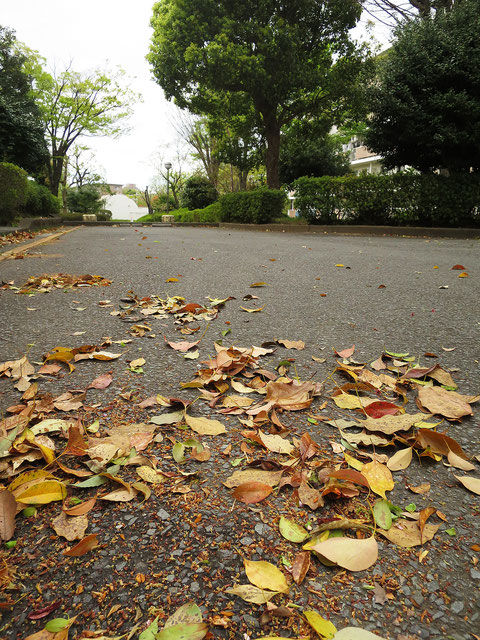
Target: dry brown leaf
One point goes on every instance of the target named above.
(71, 528)
(311, 497)
(300, 566)
(292, 344)
(406, 533)
(391, 424)
(470, 483)
(205, 426)
(349, 553)
(271, 478)
(459, 463)
(450, 404)
(276, 443)
(8, 510)
(80, 509)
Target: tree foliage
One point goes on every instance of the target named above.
(309, 150)
(426, 105)
(21, 131)
(287, 60)
(74, 105)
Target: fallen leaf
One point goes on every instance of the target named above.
(258, 284)
(406, 533)
(391, 424)
(379, 477)
(250, 593)
(272, 478)
(458, 267)
(439, 443)
(8, 510)
(102, 382)
(420, 489)
(252, 492)
(139, 362)
(292, 531)
(252, 310)
(81, 509)
(400, 460)
(292, 344)
(182, 346)
(324, 628)
(42, 493)
(150, 475)
(345, 353)
(276, 443)
(349, 553)
(205, 426)
(459, 463)
(470, 483)
(445, 403)
(380, 409)
(84, 546)
(382, 514)
(300, 566)
(71, 528)
(265, 575)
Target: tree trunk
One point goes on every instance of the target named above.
(148, 201)
(242, 177)
(55, 170)
(272, 135)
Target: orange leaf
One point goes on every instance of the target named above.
(84, 546)
(345, 353)
(82, 508)
(252, 492)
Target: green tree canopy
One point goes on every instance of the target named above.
(289, 59)
(426, 105)
(75, 105)
(21, 130)
(308, 149)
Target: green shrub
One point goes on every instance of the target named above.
(209, 214)
(198, 193)
(84, 200)
(396, 199)
(260, 206)
(40, 201)
(13, 191)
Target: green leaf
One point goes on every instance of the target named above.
(150, 632)
(292, 531)
(183, 632)
(411, 508)
(178, 452)
(57, 624)
(382, 514)
(397, 355)
(10, 544)
(29, 511)
(451, 532)
(94, 481)
(226, 332)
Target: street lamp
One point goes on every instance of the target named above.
(168, 166)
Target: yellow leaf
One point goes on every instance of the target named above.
(150, 475)
(258, 284)
(323, 627)
(28, 476)
(252, 310)
(464, 274)
(349, 553)
(205, 426)
(379, 478)
(250, 593)
(171, 280)
(353, 462)
(43, 493)
(265, 575)
(339, 265)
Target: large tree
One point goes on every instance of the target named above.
(21, 131)
(76, 105)
(391, 12)
(426, 105)
(289, 59)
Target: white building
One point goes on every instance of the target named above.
(123, 207)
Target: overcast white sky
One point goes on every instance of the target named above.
(95, 33)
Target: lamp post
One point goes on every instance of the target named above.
(168, 166)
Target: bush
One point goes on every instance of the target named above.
(396, 199)
(13, 191)
(40, 201)
(84, 200)
(198, 193)
(260, 206)
(209, 214)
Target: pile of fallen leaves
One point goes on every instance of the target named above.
(48, 458)
(47, 282)
(16, 237)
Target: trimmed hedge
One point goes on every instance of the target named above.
(395, 199)
(13, 191)
(197, 193)
(260, 206)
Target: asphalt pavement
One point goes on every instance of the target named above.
(331, 292)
